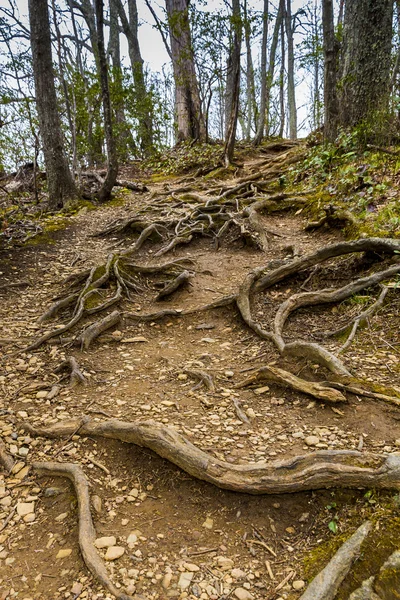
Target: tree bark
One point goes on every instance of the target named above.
(289, 26)
(112, 167)
(233, 84)
(190, 122)
(130, 25)
(263, 92)
(330, 72)
(60, 182)
(282, 74)
(366, 59)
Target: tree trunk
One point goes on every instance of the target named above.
(60, 183)
(366, 59)
(330, 72)
(250, 100)
(263, 92)
(126, 144)
(142, 99)
(112, 167)
(190, 123)
(289, 26)
(233, 80)
(282, 74)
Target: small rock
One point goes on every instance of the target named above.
(29, 518)
(298, 584)
(61, 517)
(224, 563)
(132, 538)
(312, 440)
(42, 394)
(114, 552)
(52, 491)
(243, 594)
(64, 553)
(185, 580)
(97, 504)
(76, 588)
(261, 390)
(191, 567)
(166, 582)
(105, 542)
(208, 523)
(238, 573)
(24, 508)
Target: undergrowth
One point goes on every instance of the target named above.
(353, 176)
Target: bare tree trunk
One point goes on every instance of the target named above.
(60, 183)
(143, 101)
(263, 92)
(190, 122)
(366, 59)
(330, 72)
(289, 26)
(234, 82)
(112, 170)
(125, 140)
(61, 75)
(250, 100)
(282, 74)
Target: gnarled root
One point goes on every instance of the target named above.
(86, 530)
(76, 376)
(6, 461)
(93, 331)
(282, 377)
(327, 583)
(322, 469)
(179, 281)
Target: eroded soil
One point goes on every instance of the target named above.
(182, 537)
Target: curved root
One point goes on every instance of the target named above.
(322, 469)
(87, 533)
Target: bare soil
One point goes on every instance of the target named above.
(235, 541)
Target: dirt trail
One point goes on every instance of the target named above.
(181, 537)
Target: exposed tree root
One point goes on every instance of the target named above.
(327, 583)
(334, 217)
(282, 377)
(323, 469)
(203, 377)
(93, 331)
(76, 376)
(361, 387)
(86, 530)
(6, 461)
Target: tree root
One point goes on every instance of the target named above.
(203, 377)
(327, 583)
(334, 217)
(76, 376)
(282, 377)
(93, 331)
(6, 461)
(322, 469)
(86, 530)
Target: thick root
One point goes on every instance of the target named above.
(322, 469)
(327, 583)
(87, 533)
(282, 377)
(181, 280)
(76, 376)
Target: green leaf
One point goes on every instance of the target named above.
(333, 526)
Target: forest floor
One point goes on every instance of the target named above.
(182, 537)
